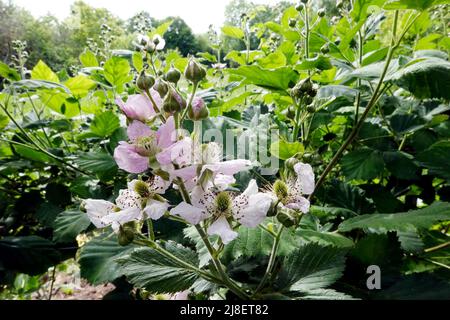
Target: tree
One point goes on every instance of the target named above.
(180, 36)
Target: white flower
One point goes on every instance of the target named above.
(159, 42)
(249, 209)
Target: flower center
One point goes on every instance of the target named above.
(281, 190)
(147, 146)
(223, 204)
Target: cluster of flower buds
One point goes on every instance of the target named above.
(305, 91)
(144, 43)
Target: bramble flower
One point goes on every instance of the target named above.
(139, 107)
(223, 207)
(290, 194)
(145, 144)
(140, 201)
(159, 42)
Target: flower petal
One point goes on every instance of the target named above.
(179, 153)
(222, 228)
(305, 178)
(300, 203)
(166, 134)
(138, 107)
(189, 213)
(129, 160)
(97, 209)
(222, 182)
(137, 130)
(256, 211)
(155, 209)
(117, 219)
(229, 168)
(128, 199)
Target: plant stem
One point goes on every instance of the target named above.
(358, 82)
(376, 95)
(307, 32)
(155, 106)
(438, 247)
(151, 232)
(189, 105)
(50, 294)
(297, 119)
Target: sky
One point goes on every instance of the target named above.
(198, 14)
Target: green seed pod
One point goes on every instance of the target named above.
(311, 109)
(161, 87)
(145, 82)
(173, 75)
(292, 23)
(321, 12)
(173, 101)
(325, 48)
(194, 72)
(300, 7)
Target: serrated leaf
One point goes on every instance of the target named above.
(117, 72)
(100, 163)
(138, 62)
(88, 59)
(325, 238)
(311, 267)
(105, 124)
(148, 268)
(69, 224)
(284, 150)
(233, 32)
(320, 62)
(8, 73)
(42, 72)
(404, 221)
(98, 257)
(363, 164)
(436, 159)
(80, 85)
(420, 5)
(280, 78)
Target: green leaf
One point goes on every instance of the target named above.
(320, 62)
(233, 32)
(117, 72)
(148, 268)
(284, 150)
(436, 159)
(69, 224)
(280, 78)
(420, 5)
(241, 56)
(425, 79)
(161, 29)
(88, 59)
(105, 124)
(32, 154)
(311, 267)
(362, 164)
(361, 9)
(8, 73)
(273, 60)
(80, 85)
(405, 221)
(98, 259)
(33, 85)
(28, 254)
(42, 72)
(401, 165)
(326, 238)
(100, 163)
(322, 294)
(138, 62)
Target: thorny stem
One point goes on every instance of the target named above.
(376, 95)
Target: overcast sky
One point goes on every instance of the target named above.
(198, 14)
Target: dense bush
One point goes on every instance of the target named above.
(337, 161)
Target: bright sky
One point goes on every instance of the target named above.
(198, 14)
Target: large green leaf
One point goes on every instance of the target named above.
(425, 79)
(99, 163)
(105, 124)
(413, 4)
(117, 72)
(28, 254)
(69, 224)
(8, 73)
(325, 238)
(436, 159)
(311, 267)
(42, 72)
(148, 268)
(80, 85)
(401, 165)
(280, 78)
(405, 221)
(233, 32)
(363, 164)
(98, 259)
(320, 62)
(88, 59)
(284, 150)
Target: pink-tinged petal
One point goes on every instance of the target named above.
(159, 185)
(187, 173)
(117, 219)
(184, 295)
(222, 182)
(129, 112)
(138, 107)
(129, 160)
(222, 228)
(97, 209)
(256, 211)
(157, 98)
(189, 213)
(305, 178)
(300, 203)
(137, 130)
(155, 209)
(229, 168)
(166, 134)
(179, 153)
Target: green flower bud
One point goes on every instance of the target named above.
(305, 1)
(194, 72)
(311, 109)
(173, 101)
(339, 4)
(292, 23)
(198, 110)
(321, 12)
(325, 48)
(145, 82)
(288, 217)
(305, 85)
(173, 75)
(300, 7)
(290, 163)
(161, 87)
(308, 100)
(126, 234)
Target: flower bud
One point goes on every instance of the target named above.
(173, 101)
(325, 48)
(150, 47)
(273, 210)
(300, 7)
(198, 110)
(145, 82)
(173, 75)
(339, 4)
(126, 234)
(194, 72)
(288, 217)
(321, 12)
(290, 163)
(292, 23)
(305, 1)
(311, 109)
(308, 100)
(161, 87)
(305, 85)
